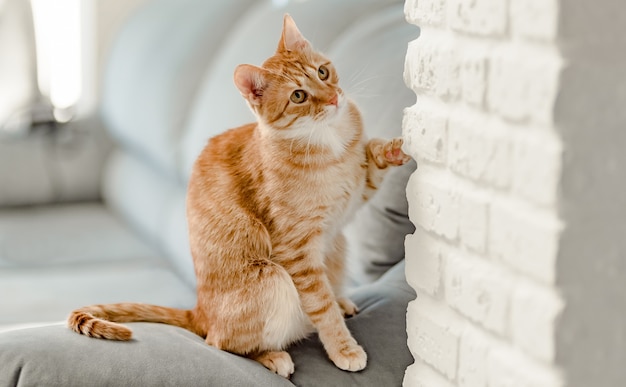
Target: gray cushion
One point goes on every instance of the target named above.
(376, 236)
(159, 355)
(168, 356)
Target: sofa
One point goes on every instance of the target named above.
(93, 211)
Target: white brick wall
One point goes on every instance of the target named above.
(485, 197)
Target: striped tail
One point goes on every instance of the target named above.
(100, 321)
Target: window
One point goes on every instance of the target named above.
(46, 61)
(62, 33)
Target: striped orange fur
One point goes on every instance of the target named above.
(265, 206)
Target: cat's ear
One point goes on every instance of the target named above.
(251, 82)
(291, 39)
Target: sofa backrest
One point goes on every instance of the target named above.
(168, 88)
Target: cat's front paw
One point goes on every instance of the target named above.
(393, 154)
(350, 357)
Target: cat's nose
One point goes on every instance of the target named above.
(334, 100)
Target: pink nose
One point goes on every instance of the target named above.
(333, 100)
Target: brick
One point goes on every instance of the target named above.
(424, 255)
(473, 217)
(421, 375)
(479, 290)
(534, 313)
(523, 82)
(479, 149)
(425, 12)
(534, 19)
(507, 367)
(480, 17)
(483, 258)
(525, 238)
(434, 333)
(537, 163)
(425, 131)
(433, 204)
(432, 66)
(473, 351)
(473, 74)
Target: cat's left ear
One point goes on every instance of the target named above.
(251, 82)
(291, 39)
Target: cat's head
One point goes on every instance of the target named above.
(293, 89)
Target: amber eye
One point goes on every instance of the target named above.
(298, 96)
(323, 72)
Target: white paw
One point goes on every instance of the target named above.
(351, 357)
(277, 362)
(348, 307)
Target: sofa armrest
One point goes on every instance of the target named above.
(48, 166)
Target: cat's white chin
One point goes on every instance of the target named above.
(331, 130)
(333, 114)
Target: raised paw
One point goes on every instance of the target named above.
(277, 362)
(350, 357)
(348, 307)
(393, 154)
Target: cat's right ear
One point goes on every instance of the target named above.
(291, 39)
(251, 82)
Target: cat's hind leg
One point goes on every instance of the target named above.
(260, 319)
(285, 321)
(276, 361)
(348, 307)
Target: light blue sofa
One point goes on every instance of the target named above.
(95, 213)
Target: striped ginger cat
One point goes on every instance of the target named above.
(265, 205)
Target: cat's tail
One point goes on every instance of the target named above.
(101, 321)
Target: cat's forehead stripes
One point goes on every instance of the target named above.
(294, 65)
(293, 72)
(304, 68)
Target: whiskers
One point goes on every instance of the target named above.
(358, 83)
(291, 146)
(361, 87)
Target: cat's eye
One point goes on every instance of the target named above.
(323, 72)
(298, 96)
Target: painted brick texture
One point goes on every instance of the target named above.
(486, 74)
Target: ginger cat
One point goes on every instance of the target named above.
(266, 203)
